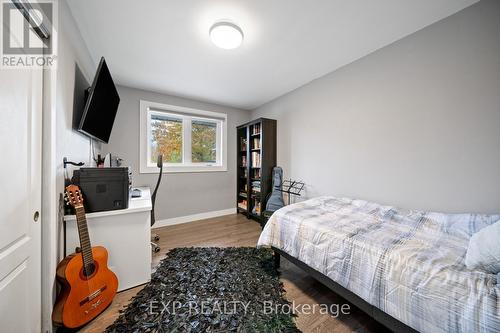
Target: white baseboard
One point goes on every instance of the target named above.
(194, 217)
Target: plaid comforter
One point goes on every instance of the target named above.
(409, 264)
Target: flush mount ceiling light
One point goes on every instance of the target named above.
(226, 35)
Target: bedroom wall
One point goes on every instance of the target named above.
(59, 140)
(180, 194)
(72, 52)
(414, 124)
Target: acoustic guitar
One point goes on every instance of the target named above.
(88, 285)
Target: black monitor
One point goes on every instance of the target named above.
(101, 105)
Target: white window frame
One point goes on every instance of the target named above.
(147, 109)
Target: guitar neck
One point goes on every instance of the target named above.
(83, 233)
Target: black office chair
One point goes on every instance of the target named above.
(155, 247)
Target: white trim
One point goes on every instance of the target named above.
(50, 199)
(193, 218)
(147, 108)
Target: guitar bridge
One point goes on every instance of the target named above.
(92, 296)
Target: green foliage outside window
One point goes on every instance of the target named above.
(203, 142)
(166, 137)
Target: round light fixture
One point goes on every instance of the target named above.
(226, 35)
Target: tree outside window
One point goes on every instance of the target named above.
(166, 139)
(203, 142)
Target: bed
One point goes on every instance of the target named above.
(406, 268)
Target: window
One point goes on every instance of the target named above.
(166, 138)
(203, 141)
(189, 140)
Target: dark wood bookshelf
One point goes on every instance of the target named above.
(256, 140)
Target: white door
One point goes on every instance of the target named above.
(20, 199)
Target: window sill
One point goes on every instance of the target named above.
(184, 169)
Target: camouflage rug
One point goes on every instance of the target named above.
(210, 290)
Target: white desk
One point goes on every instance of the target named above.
(126, 234)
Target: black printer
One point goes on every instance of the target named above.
(104, 188)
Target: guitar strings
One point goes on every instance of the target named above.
(80, 221)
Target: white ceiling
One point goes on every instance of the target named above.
(163, 46)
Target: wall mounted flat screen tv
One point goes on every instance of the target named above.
(101, 105)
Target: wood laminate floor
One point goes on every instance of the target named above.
(237, 230)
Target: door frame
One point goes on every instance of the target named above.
(50, 250)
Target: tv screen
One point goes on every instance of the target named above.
(101, 106)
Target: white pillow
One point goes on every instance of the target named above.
(484, 249)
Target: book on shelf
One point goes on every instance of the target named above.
(243, 161)
(256, 129)
(256, 173)
(256, 186)
(256, 143)
(256, 162)
(242, 204)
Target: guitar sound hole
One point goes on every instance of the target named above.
(89, 270)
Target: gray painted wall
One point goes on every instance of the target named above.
(180, 194)
(71, 52)
(58, 114)
(415, 124)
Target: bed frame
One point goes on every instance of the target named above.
(374, 312)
